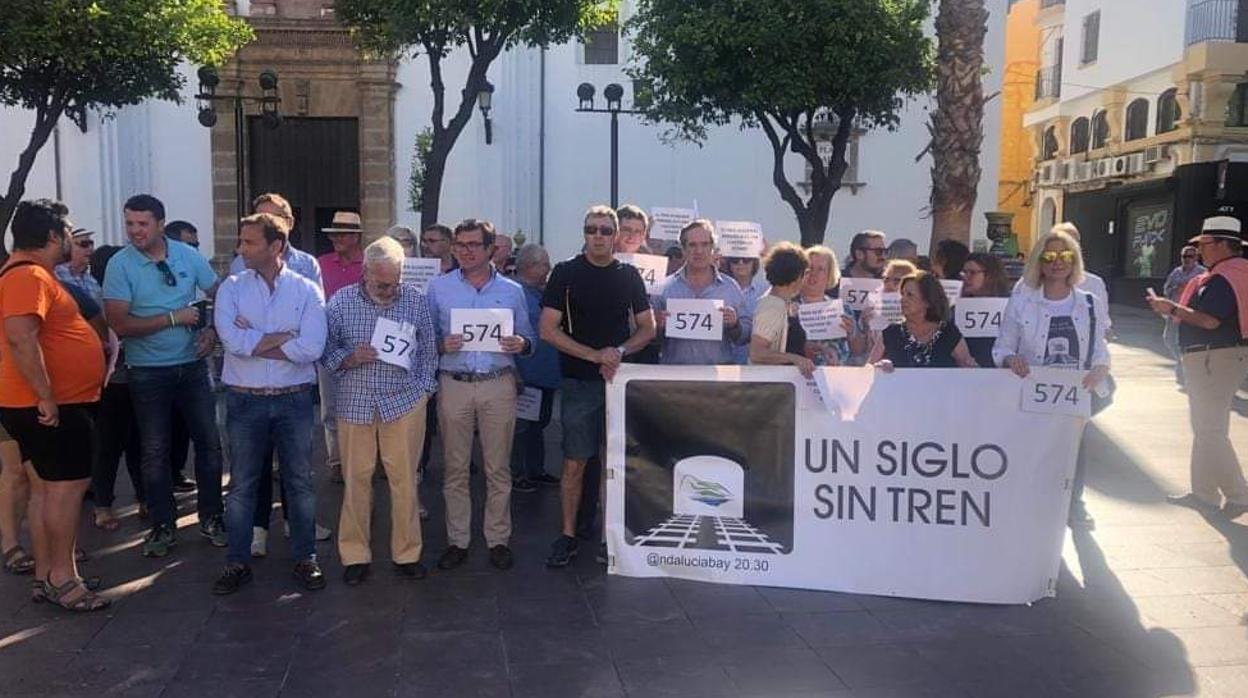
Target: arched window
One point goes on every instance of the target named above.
(1168, 112)
(1237, 110)
(1080, 135)
(1100, 130)
(1137, 120)
(1050, 143)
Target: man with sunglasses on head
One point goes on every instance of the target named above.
(148, 291)
(595, 312)
(76, 271)
(477, 391)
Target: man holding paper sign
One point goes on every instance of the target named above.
(703, 303)
(476, 309)
(381, 404)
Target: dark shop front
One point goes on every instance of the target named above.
(1132, 233)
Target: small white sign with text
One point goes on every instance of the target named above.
(695, 318)
(394, 342)
(885, 309)
(979, 317)
(652, 267)
(739, 238)
(420, 271)
(953, 289)
(529, 405)
(667, 222)
(1055, 391)
(482, 329)
(822, 321)
(854, 292)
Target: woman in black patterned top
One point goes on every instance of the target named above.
(926, 338)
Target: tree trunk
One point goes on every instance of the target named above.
(431, 188)
(45, 122)
(788, 132)
(957, 124)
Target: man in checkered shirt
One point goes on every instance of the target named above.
(381, 400)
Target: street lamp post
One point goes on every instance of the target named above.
(208, 96)
(614, 94)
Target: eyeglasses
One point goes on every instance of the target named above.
(967, 271)
(163, 267)
(466, 246)
(432, 241)
(1050, 257)
(603, 230)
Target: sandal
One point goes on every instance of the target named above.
(80, 555)
(85, 602)
(106, 520)
(18, 561)
(38, 592)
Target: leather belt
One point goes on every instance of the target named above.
(1210, 347)
(289, 390)
(468, 377)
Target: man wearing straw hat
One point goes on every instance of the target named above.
(339, 269)
(1213, 336)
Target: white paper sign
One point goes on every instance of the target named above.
(739, 238)
(1056, 391)
(652, 267)
(953, 289)
(885, 307)
(665, 223)
(979, 317)
(529, 405)
(695, 318)
(482, 328)
(420, 271)
(854, 292)
(394, 342)
(822, 320)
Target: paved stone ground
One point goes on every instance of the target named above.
(1154, 602)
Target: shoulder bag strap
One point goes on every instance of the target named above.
(1087, 364)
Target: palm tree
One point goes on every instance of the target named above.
(957, 123)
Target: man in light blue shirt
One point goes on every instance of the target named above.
(148, 290)
(477, 391)
(272, 324)
(699, 279)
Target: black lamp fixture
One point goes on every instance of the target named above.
(614, 94)
(485, 102)
(270, 115)
(585, 92)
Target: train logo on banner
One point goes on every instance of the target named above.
(696, 455)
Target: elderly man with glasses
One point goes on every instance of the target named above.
(382, 352)
(76, 271)
(149, 289)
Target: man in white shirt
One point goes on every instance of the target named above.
(272, 323)
(1091, 282)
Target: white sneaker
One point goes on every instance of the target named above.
(259, 541)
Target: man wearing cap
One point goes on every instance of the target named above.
(77, 271)
(339, 269)
(1213, 336)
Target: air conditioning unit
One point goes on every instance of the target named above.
(1102, 168)
(1156, 154)
(1082, 172)
(1046, 174)
(1118, 168)
(1136, 164)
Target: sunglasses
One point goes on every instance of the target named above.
(876, 250)
(84, 244)
(1050, 257)
(739, 260)
(163, 267)
(603, 230)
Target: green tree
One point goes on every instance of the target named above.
(802, 71)
(957, 124)
(485, 28)
(64, 57)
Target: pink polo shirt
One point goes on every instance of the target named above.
(336, 274)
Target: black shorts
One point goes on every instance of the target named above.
(59, 453)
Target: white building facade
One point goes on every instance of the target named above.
(350, 128)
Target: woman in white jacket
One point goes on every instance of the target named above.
(1050, 322)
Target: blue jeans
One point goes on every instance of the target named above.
(257, 426)
(155, 393)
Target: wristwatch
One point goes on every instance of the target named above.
(623, 351)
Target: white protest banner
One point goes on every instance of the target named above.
(979, 317)
(822, 320)
(1055, 391)
(854, 292)
(695, 318)
(529, 405)
(652, 267)
(953, 289)
(665, 223)
(483, 329)
(394, 341)
(897, 486)
(885, 307)
(739, 238)
(420, 271)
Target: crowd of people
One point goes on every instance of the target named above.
(106, 354)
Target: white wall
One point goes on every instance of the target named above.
(1136, 37)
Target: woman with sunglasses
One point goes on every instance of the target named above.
(983, 276)
(1050, 322)
(744, 271)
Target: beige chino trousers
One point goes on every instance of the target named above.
(1212, 377)
(488, 407)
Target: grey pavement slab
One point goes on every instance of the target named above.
(1154, 602)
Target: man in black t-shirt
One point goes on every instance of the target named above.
(1214, 348)
(590, 304)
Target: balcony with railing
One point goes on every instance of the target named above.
(1049, 82)
(1046, 4)
(1217, 20)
